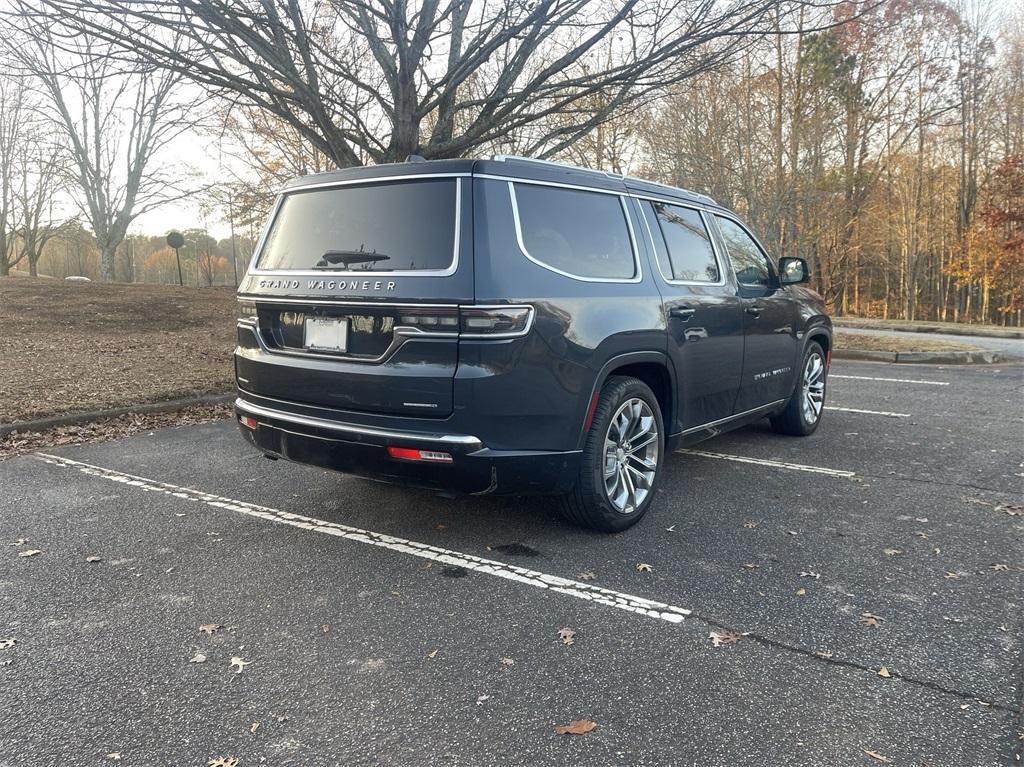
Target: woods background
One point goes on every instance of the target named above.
(882, 141)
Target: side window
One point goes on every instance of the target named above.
(686, 253)
(751, 265)
(580, 233)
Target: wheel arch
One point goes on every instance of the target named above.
(654, 368)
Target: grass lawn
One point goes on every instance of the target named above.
(72, 347)
(895, 343)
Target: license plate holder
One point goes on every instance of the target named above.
(325, 334)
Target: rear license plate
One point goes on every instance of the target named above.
(326, 334)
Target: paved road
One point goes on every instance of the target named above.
(377, 620)
(1011, 346)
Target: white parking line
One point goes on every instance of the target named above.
(577, 589)
(773, 464)
(867, 412)
(891, 380)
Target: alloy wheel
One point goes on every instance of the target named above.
(630, 455)
(813, 399)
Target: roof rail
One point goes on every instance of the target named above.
(608, 174)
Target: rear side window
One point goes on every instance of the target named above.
(751, 265)
(685, 252)
(381, 227)
(582, 234)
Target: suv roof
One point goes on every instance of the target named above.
(504, 166)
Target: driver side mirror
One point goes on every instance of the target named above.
(793, 271)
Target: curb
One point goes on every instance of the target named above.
(963, 330)
(75, 419)
(921, 358)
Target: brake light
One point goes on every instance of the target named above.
(247, 421)
(412, 454)
(496, 321)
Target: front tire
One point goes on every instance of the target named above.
(803, 412)
(622, 459)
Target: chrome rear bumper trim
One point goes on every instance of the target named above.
(465, 441)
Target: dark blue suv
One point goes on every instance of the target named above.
(517, 326)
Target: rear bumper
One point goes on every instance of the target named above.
(362, 450)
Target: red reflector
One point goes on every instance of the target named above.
(412, 454)
(247, 421)
(590, 411)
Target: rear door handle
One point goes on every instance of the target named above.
(682, 312)
(753, 310)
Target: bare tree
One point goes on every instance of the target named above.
(13, 109)
(375, 81)
(114, 124)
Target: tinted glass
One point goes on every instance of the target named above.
(405, 225)
(750, 263)
(582, 233)
(690, 256)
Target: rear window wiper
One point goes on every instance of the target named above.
(343, 259)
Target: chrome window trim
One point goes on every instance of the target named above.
(327, 301)
(448, 271)
(638, 270)
(463, 440)
(719, 262)
(559, 184)
(733, 417)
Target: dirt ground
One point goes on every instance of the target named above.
(880, 343)
(71, 347)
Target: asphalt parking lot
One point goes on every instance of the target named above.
(380, 625)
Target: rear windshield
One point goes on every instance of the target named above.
(383, 227)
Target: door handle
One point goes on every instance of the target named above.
(755, 311)
(682, 312)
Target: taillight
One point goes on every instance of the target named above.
(247, 421)
(496, 321)
(432, 320)
(412, 454)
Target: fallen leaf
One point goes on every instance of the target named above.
(876, 755)
(723, 636)
(586, 575)
(1013, 509)
(223, 761)
(809, 574)
(326, 628)
(801, 592)
(869, 620)
(480, 700)
(255, 726)
(20, 542)
(7, 644)
(750, 524)
(94, 559)
(750, 565)
(953, 619)
(952, 576)
(826, 654)
(29, 552)
(567, 635)
(433, 654)
(210, 628)
(999, 567)
(892, 552)
(643, 567)
(197, 658)
(670, 529)
(576, 727)
(884, 673)
(507, 662)
(114, 756)
(238, 664)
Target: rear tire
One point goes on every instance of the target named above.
(804, 409)
(621, 463)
